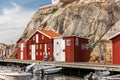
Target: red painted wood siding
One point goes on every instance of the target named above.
(24, 49)
(69, 50)
(74, 53)
(116, 50)
(46, 40)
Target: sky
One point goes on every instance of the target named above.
(14, 17)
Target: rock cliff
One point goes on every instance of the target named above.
(93, 19)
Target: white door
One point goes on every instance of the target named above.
(21, 56)
(33, 53)
(58, 51)
(63, 48)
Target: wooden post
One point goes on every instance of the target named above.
(42, 72)
(79, 72)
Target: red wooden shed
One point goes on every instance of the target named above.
(115, 48)
(40, 43)
(22, 48)
(73, 49)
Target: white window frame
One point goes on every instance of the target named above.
(42, 37)
(68, 42)
(37, 38)
(40, 46)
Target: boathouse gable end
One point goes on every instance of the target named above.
(22, 49)
(115, 48)
(41, 43)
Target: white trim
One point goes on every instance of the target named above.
(33, 51)
(43, 34)
(21, 55)
(114, 35)
(37, 38)
(39, 32)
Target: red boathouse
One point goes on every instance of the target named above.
(40, 43)
(115, 48)
(22, 48)
(74, 51)
(59, 48)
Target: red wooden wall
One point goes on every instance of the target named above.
(74, 53)
(46, 40)
(116, 50)
(24, 49)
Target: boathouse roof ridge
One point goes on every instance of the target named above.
(48, 33)
(24, 38)
(114, 36)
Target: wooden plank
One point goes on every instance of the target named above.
(81, 65)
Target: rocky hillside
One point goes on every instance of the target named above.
(95, 20)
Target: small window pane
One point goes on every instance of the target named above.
(48, 45)
(36, 53)
(68, 42)
(40, 53)
(36, 46)
(42, 37)
(40, 46)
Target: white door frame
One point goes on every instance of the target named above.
(33, 55)
(21, 51)
(63, 48)
(21, 55)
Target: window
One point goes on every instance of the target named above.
(36, 46)
(29, 53)
(22, 46)
(68, 42)
(40, 46)
(40, 53)
(33, 38)
(36, 53)
(37, 39)
(48, 45)
(76, 41)
(42, 37)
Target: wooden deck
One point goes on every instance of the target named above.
(80, 65)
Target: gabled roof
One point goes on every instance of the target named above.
(114, 36)
(24, 38)
(48, 33)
